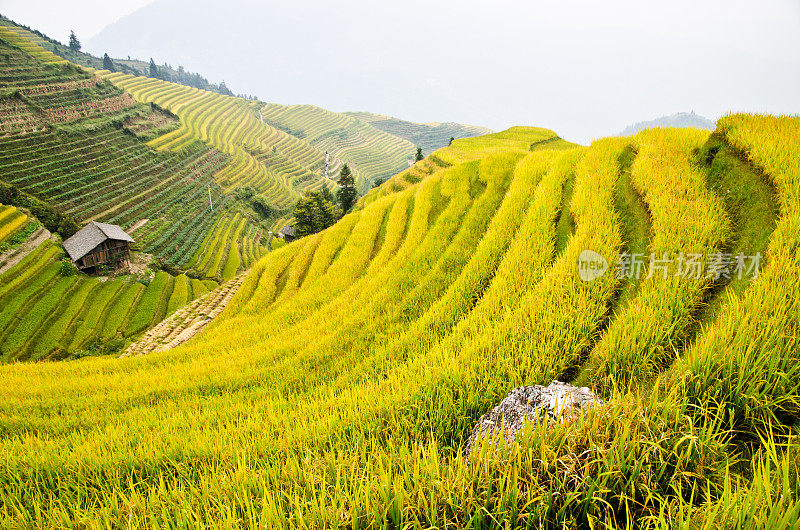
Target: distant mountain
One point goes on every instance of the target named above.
(680, 119)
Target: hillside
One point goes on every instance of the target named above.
(74, 148)
(680, 119)
(429, 136)
(182, 169)
(79, 143)
(339, 385)
(126, 66)
(372, 153)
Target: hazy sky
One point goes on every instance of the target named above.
(581, 67)
(55, 18)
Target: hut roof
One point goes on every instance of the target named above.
(92, 235)
(288, 231)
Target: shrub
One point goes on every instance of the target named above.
(52, 219)
(67, 269)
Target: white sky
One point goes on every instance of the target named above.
(584, 68)
(55, 18)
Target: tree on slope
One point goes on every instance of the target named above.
(153, 69)
(313, 213)
(347, 193)
(74, 43)
(419, 155)
(326, 209)
(108, 64)
(304, 217)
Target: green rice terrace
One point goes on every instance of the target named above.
(177, 167)
(349, 378)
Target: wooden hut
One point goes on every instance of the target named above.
(287, 233)
(98, 244)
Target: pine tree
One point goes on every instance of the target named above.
(326, 194)
(224, 90)
(304, 217)
(419, 155)
(153, 69)
(313, 213)
(325, 213)
(347, 193)
(108, 64)
(74, 43)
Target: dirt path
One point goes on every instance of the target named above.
(137, 225)
(186, 322)
(14, 257)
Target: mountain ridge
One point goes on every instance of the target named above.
(679, 119)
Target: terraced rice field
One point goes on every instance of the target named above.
(275, 163)
(276, 149)
(407, 320)
(108, 176)
(429, 136)
(46, 315)
(11, 220)
(40, 91)
(233, 245)
(371, 153)
(22, 39)
(99, 169)
(187, 322)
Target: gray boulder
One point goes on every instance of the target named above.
(556, 402)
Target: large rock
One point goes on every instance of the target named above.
(552, 403)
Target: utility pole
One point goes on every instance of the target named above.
(209, 198)
(326, 164)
